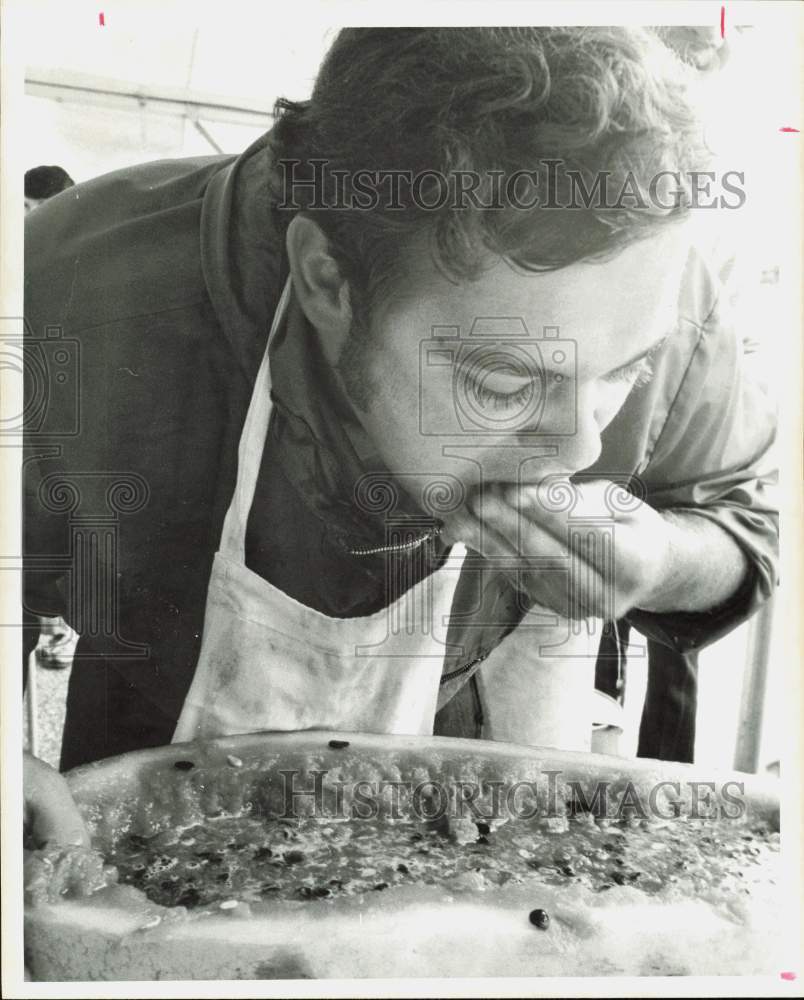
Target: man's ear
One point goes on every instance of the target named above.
(318, 284)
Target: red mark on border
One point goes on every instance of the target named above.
(789, 976)
(101, 20)
(786, 128)
(722, 22)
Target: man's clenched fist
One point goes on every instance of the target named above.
(584, 550)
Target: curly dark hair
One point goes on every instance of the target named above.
(488, 100)
(45, 181)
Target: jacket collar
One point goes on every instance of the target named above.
(314, 430)
(241, 256)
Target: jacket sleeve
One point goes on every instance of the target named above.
(45, 546)
(715, 458)
(51, 415)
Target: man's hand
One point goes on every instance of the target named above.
(592, 550)
(50, 816)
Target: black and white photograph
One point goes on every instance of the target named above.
(401, 534)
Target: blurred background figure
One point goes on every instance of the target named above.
(42, 183)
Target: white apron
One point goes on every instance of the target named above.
(268, 662)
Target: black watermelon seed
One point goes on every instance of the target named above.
(568, 870)
(482, 840)
(606, 885)
(618, 877)
(262, 852)
(336, 882)
(402, 869)
(321, 891)
(294, 857)
(380, 886)
(339, 744)
(211, 856)
(540, 919)
(183, 765)
(189, 898)
(483, 829)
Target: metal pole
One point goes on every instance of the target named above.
(752, 701)
(200, 128)
(33, 704)
(172, 102)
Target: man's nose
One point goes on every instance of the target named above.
(581, 448)
(568, 431)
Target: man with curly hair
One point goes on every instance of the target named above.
(416, 390)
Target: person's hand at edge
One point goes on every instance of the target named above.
(50, 816)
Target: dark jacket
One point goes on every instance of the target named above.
(148, 297)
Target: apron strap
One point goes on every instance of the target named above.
(251, 447)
